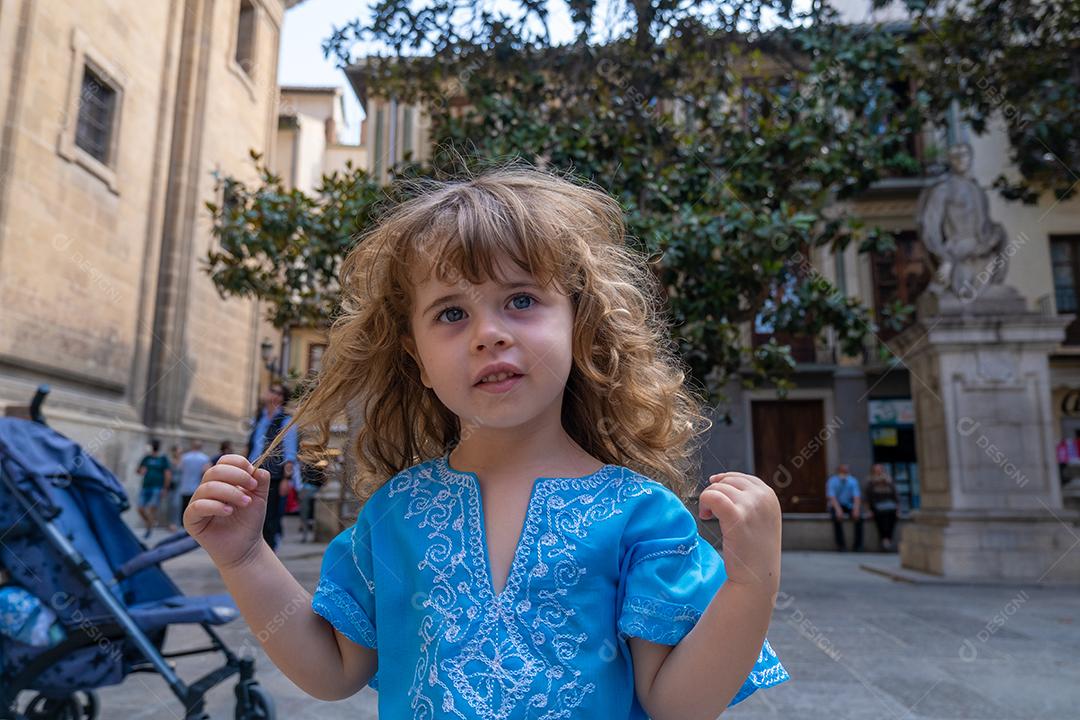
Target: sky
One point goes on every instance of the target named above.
(306, 25)
(301, 60)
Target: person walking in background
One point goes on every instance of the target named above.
(192, 465)
(844, 497)
(156, 475)
(170, 498)
(282, 464)
(224, 449)
(313, 477)
(884, 501)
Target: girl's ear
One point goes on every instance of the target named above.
(410, 347)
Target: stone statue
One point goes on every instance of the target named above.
(967, 246)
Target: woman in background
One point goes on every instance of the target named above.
(884, 501)
(171, 497)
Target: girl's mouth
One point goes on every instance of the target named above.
(499, 386)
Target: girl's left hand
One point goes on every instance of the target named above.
(749, 515)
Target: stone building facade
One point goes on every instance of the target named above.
(115, 116)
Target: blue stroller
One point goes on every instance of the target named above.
(62, 541)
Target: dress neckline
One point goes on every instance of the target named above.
(479, 540)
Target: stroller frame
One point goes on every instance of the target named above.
(252, 701)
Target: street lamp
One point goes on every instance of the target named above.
(266, 351)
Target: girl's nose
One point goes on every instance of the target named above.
(490, 332)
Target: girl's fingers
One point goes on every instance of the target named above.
(202, 508)
(725, 491)
(231, 474)
(236, 461)
(717, 497)
(729, 489)
(736, 479)
(224, 492)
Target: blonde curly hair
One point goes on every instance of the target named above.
(627, 401)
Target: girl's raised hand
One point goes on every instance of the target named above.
(226, 512)
(749, 515)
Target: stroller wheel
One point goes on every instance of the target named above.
(253, 702)
(82, 705)
(11, 713)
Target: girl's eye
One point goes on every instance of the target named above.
(514, 301)
(530, 298)
(448, 310)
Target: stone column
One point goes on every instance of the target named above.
(169, 375)
(991, 507)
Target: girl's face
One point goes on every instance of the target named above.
(460, 331)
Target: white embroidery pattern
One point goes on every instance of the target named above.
(353, 542)
(760, 677)
(328, 593)
(660, 622)
(359, 628)
(483, 644)
(677, 550)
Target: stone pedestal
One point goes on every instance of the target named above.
(991, 507)
(335, 509)
(1070, 495)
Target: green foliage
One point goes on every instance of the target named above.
(285, 247)
(727, 145)
(1017, 63)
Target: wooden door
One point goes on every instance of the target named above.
(789, 451)
(901, 274)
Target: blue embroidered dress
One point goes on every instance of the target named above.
(601, 558)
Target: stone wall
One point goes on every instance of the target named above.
(102, 290)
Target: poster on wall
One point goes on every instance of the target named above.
(898, 411)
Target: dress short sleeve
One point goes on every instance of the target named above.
(669, 575)
(345, 595)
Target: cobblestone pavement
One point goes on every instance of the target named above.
(858, 645)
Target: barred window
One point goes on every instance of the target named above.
(97, 115)
(245, 38)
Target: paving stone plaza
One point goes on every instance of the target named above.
(857, 644)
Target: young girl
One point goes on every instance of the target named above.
(520, 553)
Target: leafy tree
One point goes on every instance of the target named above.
(729, 140)
(1017, 61)
(283, 246)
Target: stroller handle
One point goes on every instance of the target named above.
(35, 404)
